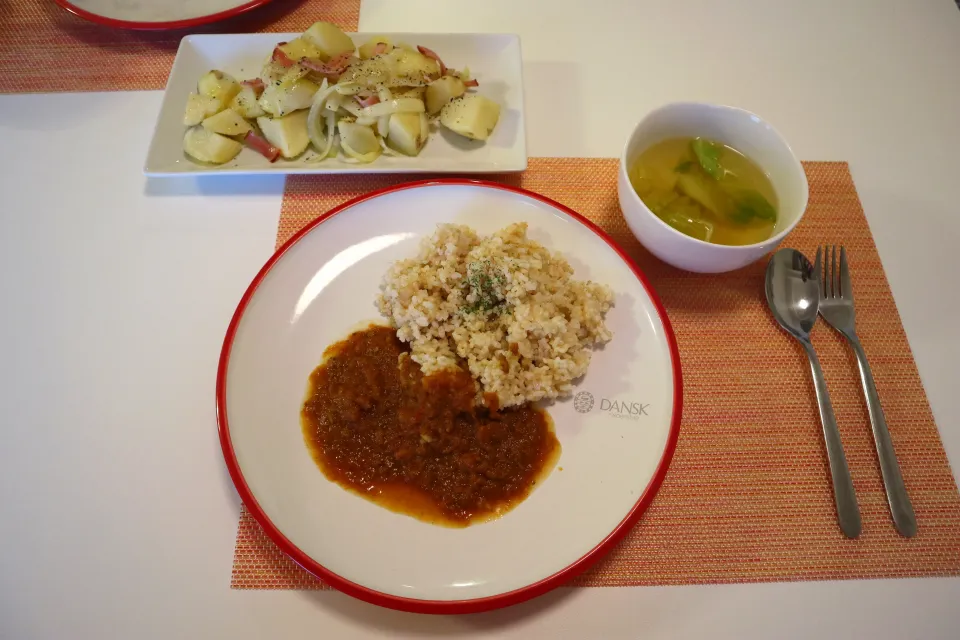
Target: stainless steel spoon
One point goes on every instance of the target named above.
(793, 294)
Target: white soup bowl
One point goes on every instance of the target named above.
(746, 133)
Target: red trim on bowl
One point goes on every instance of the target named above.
(157, 26)
(446, 606)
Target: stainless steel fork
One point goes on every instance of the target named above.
(836, 307)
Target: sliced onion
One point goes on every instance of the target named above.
(388, 151)
(322, 143)
(314, 119)
(349, 88)
(383, 125)
(385, 95)
(353, 108)
(331, 136)
(334, 100)
(398, 105)
(362, 158)
(324, 93)
(317, 139)
(362, 140)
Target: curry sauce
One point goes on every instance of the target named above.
(420, 445)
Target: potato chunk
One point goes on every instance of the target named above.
(287, 133)
(228, 122)
(207, 146)
(375, 46)
(245, 103)
(281, 99)
(199, 108)
(328, 39)
(219, 86)
(473, 116)
(405, 134)
(300, 48)
(443, 90)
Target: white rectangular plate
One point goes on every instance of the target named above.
(494, 60)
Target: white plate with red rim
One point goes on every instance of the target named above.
(494, 60)
(166, 14)
(617, 433)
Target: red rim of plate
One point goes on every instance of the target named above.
(446, 606)
(173, 24)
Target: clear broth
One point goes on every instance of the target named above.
(673, 182)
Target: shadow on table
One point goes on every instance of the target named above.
(214, 186)
(53, 111)
(360, 613)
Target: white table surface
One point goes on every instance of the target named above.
(117, 518)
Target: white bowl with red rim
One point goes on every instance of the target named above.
(617, 433)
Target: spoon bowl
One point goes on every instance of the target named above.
(793, 292)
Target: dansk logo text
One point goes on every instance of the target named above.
(584, 402)
(624, 408)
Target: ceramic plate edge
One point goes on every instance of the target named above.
(159, 26)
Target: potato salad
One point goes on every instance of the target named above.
(319, 90)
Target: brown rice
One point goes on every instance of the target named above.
(503, 306)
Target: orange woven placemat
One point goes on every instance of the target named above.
(747, 497)
(43, 48)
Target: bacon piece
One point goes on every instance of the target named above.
(367, 102)
(280, 56)
(381, 47)
(321, 69)
(331, 69)
(261, 146)
(471, 83)
(341, 61)
(430, 53)
(256, 84)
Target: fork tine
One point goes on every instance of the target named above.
(826, 271)
(834, 273)
(816, 274)
(846, 290)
